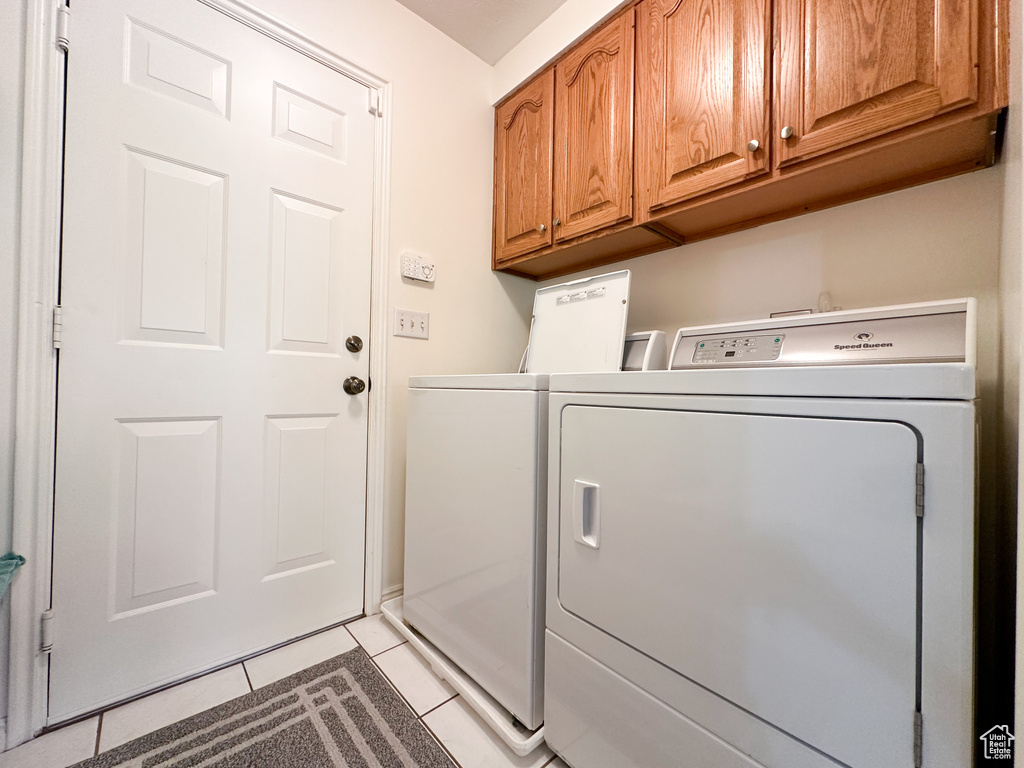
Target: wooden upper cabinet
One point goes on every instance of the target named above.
(702, 96)
(522, 169)
(594, 131)
(746, 111)
(848, 70)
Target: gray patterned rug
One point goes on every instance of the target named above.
(339, 713)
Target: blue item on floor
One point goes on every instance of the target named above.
(9, 563)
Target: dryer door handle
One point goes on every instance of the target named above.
(586, 514)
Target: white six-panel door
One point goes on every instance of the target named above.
(210, 480)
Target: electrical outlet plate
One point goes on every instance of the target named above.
(415, 325)
(417, 267)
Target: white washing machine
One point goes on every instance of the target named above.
(474, 538)
(476, 488)
(765, 557)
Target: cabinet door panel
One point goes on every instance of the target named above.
(702, 95)
(852, 69)
(522, 170)
(594, 131)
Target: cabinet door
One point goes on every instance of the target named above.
(702, 95)
(522, 169)
(851, 69)
(594, 131)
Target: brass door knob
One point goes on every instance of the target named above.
(353, 385)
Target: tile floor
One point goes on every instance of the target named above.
(468, 740)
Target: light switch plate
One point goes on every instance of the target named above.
(417, 267)
(415, 325)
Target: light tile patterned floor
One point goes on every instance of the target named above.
(464, 735)
(127, 722)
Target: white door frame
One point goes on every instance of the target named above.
(36, 367)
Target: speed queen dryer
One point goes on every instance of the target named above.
(764, 557)
(476, 489)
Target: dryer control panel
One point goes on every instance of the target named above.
(918, 333)
(739, 349)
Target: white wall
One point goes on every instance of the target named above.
(11, 53)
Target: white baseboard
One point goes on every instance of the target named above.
(390, 593)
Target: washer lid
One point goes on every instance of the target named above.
(579, 326)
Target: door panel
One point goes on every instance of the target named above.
(853, 69)
(306, 276)
(522, 169)
(594, 131)
(306, 123)
(167, 512)
(299, 493)
(702, 95)
(174, 68)
(210, 489)
(772, 560)
(173, 278)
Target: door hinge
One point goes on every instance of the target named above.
(58, 326)
(919, 491)
(918, 733)
(46, 631)
(63, 18)
(375, 107)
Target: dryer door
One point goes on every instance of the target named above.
(771, 559)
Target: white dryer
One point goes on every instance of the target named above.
(765, 557)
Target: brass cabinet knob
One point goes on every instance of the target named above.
(557, 222)
(753, 145)
(542, 228)
(787, 132)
